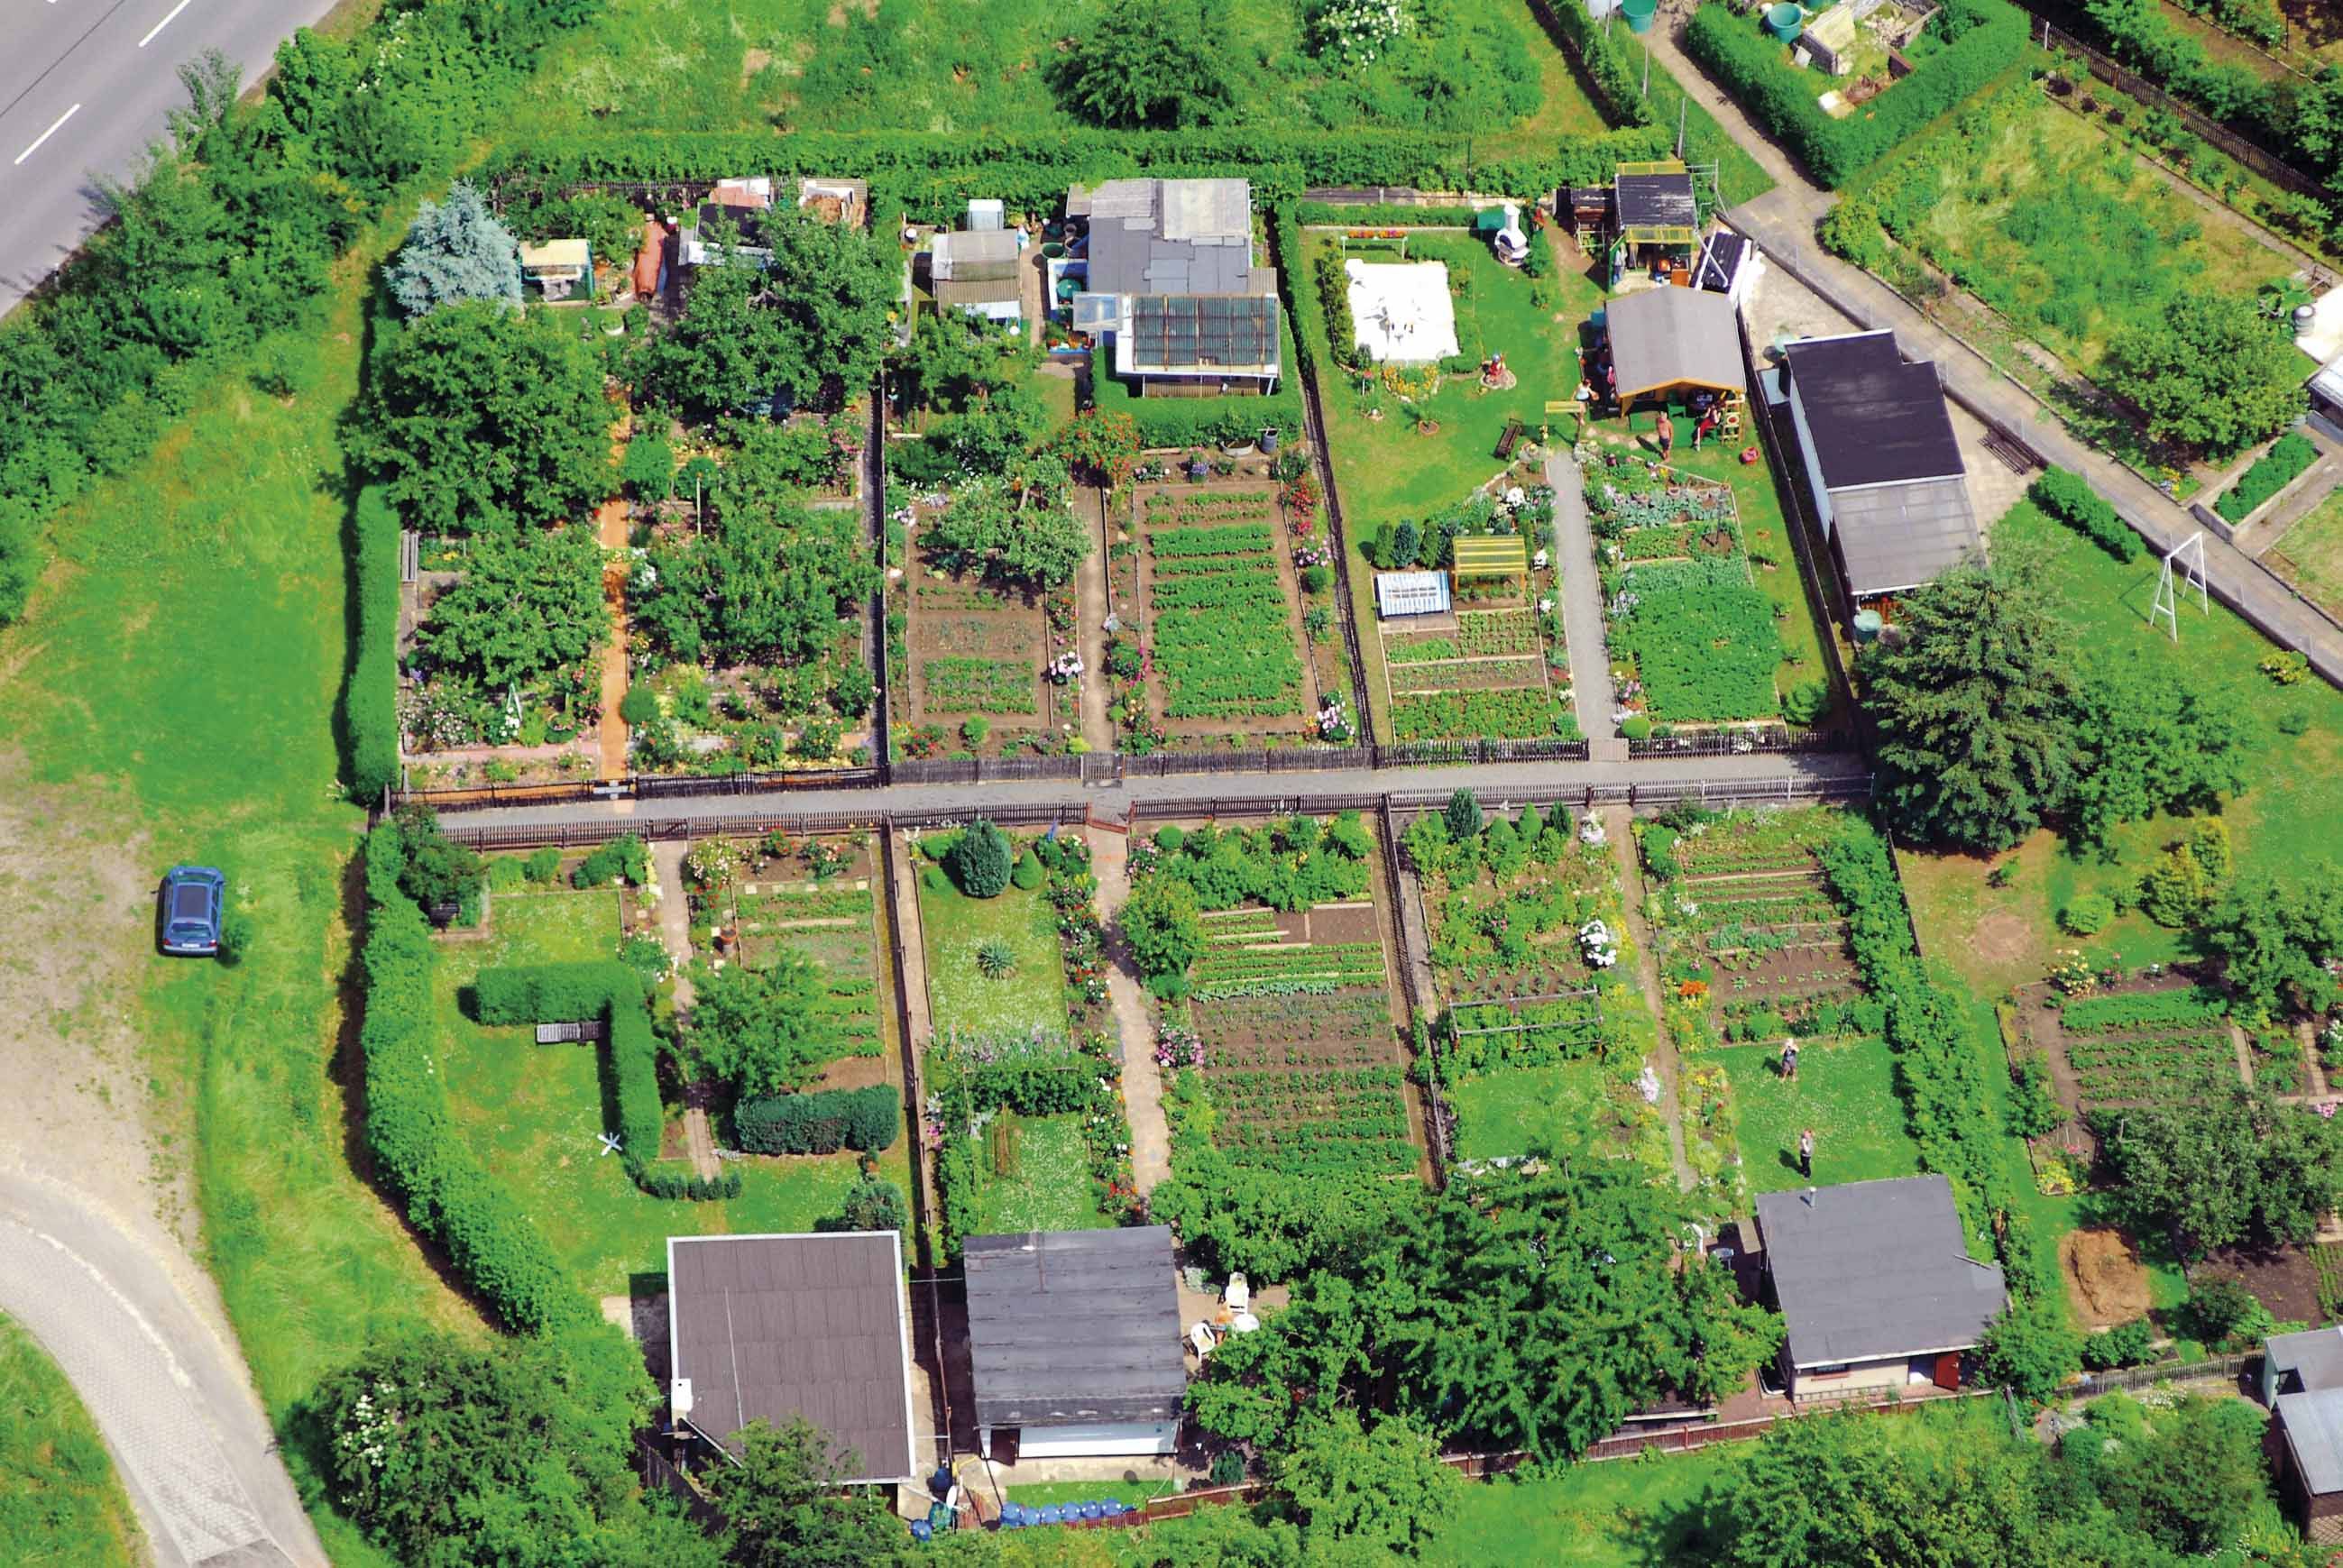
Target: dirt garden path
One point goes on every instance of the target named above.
(675, 935)
(1142, 1085)
(1617, 821)
(1091, 609)
(610, 533)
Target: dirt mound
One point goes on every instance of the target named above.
(2105, 1278)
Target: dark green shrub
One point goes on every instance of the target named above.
(1317, 578)
(639, 705)
(634, 1070)
(551, 993)
(234, 937)
(2124, 1346)
(1026, 873)
(369, 702)
(2273, 472)
(2087, 914)
(820, 1122)
(2068, 497)
(626, 856)
(542, 866)
(980, 861)
(932, 878)
(1170, 836)
(1636, 727)
(1462, 815)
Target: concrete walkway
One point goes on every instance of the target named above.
(195, 1450)
(1582, 610)
(1143, 1084)
(1783, 223)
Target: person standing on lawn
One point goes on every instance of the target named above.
(1666, 431)
(1790, 1060)
(1806, 1153)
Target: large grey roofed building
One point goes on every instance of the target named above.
(1170, 237)
(1873, 1270)
(1074, 1328)
(1881, 460)
(777, 1326)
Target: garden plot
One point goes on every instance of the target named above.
(818, 897)
(1692, 639)
(2161, 1046)
(1218, 596)
(1529, 950)
(976, 659)
(1753, 940)
(535, 1112)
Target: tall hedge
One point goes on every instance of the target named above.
(417, 1150)
(2068, 497)
(821, 1121)
(573, 992)
(370, 700)
(1985, 38)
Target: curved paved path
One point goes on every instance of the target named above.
(187, 1434)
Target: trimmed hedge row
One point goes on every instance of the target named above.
(1386, 215)
(370, 700)
(1938, 1054)
(1984, 37)
(450, 1198)
(2068, 497)
(2273, 472)
(552, 994)
(822, 1122)
(571, 993)
(1207, 421)
(930, 174)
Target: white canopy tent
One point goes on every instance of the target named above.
(1401, 312)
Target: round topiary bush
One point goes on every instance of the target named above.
(1170, 836)
(980, 862)
(1636, 729)
(1027, 872)
(639, 705)
(2087, 915)
(1317, 579)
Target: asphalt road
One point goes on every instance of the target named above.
(170, 1398)
(85, 87)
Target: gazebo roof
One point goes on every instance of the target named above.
(1670, 336)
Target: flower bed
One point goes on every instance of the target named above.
(957, 685)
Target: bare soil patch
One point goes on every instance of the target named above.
(2105, 1278)
(2003, 937)
(2283, 1279)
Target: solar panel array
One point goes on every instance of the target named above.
(1169, 331)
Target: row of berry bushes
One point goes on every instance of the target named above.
(2273, 472)
(822, 1122)
(2068, 497)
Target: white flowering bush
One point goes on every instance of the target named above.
(1357, 32)
(1601, 948)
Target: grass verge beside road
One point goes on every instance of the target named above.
(61, 1503)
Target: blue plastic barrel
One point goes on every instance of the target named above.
(922, 1531)
(1053, 1514)
(1785, 21)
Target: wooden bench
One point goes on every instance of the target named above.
(1509, 440)
(589, 1029)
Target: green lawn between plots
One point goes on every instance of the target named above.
(61, 1503)
(2313, 551)
(1041, 1493)
(1845, 1094)
(1030, 995)
(535, 1114)
(1050, 1187)
(1501, 1113)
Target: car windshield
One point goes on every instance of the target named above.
(189, 902)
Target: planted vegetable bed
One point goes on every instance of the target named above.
(2137, 1049)
(1218, 612)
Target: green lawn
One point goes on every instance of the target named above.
(1623, 1514)
(1030, 995)
(1387, 469)
(661, 66)
(535, 1112)
(2290, 810)
(1502, 1113)
(1845, 1093)
(176, 682)
(2067, 233)
(1041, 1493)
(1050, 1188)
(2311, 553)
(61, 1503)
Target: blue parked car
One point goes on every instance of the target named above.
(193, 898)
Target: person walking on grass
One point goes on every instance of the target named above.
(1790, 1060)
(1806, 1153)
(1666, 431)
